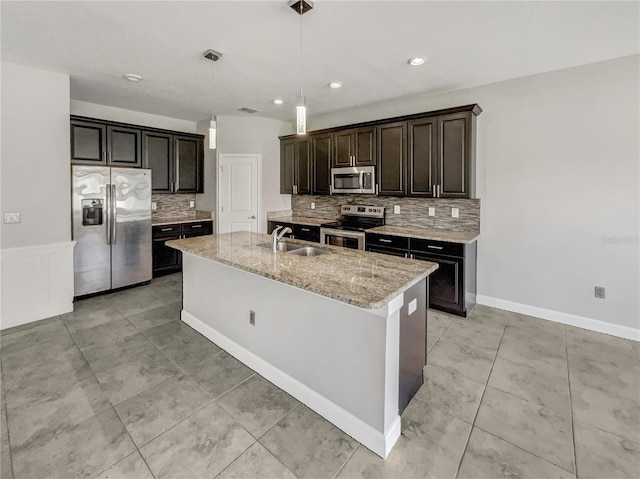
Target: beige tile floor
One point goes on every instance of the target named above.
(120, 388)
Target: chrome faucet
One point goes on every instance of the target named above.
(276, 235)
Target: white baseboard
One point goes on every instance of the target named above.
(37, 283)
(563, 318)
(376, 441)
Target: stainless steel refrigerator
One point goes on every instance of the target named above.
(111, 227)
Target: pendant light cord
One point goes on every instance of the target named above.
(212, 90)
(301, 96)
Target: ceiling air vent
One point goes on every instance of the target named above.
(248, 109)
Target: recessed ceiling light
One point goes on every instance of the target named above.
(335, 84)
(278, 101)
(132, 77)
(415, 61)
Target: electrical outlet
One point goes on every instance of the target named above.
(12, 218)
(252, 318)
(396, 209)
(154, 205)
(192, 204)
(599, 292)
(313, 206)
(455, 212)
(432, 211)
(413, 305)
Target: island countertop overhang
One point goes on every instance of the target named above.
(363, 279)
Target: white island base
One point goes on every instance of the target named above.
(340, 360)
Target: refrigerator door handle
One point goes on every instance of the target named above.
(108, 214)
(113, 214)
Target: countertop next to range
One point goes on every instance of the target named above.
(359, 278)
(464, 237)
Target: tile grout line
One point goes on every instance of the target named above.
(6, 419)
(110, 405)
(524, 450)
(573, 430)
(475, 417)
(358, 445)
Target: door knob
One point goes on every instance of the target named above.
(252, 217)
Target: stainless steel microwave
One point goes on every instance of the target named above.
(356, 179)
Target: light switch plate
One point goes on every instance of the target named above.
(432, 211)
(192, 204)
(396, 209)
(455, 212)
(12, 218)
(313, 206)
(154, 205)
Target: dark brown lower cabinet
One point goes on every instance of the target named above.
(168, 260)
(452, 287)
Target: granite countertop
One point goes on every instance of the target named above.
(301, 220)
(170, 220)
(363, 279)
(464, 237)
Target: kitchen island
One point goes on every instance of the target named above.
(343, 332)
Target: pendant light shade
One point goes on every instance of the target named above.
(213, 134)
(301, 117)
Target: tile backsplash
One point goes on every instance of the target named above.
(413, 211)
(173, 205)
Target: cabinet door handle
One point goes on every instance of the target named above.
(305, 229)
(382, 240)
(412, 256)
(195, 226)
(406, 255)
(377, 189)
(166, 229)
(438, 186)
(433, 190)
(435, 247)
(252, 217)
(104, 156)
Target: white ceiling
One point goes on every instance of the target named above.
(364, 44)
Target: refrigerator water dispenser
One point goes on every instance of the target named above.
(91, 212)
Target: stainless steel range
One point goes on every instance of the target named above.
(349, 231)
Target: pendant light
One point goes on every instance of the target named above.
(301, 7)
(213, 131)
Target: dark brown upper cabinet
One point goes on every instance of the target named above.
(421, 160)
(189, 164)
(176, 159)
(99, 143)
(456, 134)
(157, 154)
(88, 142)
(392, 157)
(321, 149)
(354, 147)
(441, 157)
(176, 162)
(429, 154)
(123, 146)
(296, 166)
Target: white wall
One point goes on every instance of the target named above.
(257, 135)
(558, 175)
(37, 254)
(104, 112)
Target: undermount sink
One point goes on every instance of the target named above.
(308, 251)
(285, 246)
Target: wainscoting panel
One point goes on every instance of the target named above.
(37, 283)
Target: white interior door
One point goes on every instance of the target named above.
(238, 200)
